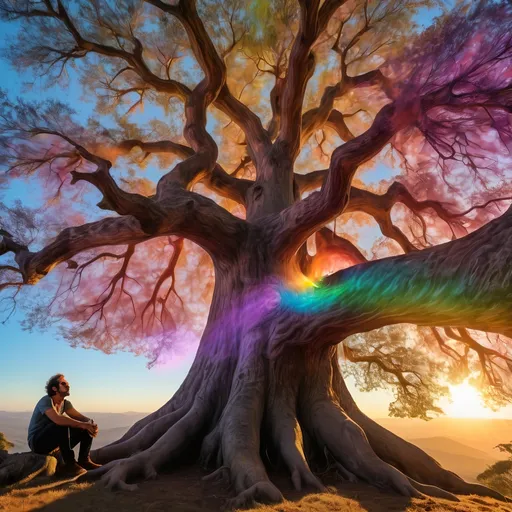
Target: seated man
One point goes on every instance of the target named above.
(50, 429)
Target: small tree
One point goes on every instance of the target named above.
(236, 204)
(499, 475)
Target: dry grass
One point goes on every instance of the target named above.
(184, 491)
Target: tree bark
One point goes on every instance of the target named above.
(243, 398)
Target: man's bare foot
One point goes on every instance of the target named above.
(88, 464)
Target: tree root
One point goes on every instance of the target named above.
(142, 440)
(347, 443)
(115, 474)
(286, 431)
(298, 400)
(405, 456)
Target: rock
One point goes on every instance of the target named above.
(22, 467)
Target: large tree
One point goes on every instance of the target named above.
(218, 187)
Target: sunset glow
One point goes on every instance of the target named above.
(466, 403)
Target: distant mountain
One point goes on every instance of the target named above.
(112, 426)
(449, 445)
(479, 434)
(467, 462)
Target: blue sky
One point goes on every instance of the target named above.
(100, 382)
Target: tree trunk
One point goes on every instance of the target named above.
(238, 403)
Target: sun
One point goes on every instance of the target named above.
(466, 403)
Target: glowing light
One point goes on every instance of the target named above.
(466, 403)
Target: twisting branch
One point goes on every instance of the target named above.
(378, 359)
(379, 205)
(147, 212)
(215, 70)
(487, 356)
(431, 287)
(227, 185)
(71, 241)
(168, 273)
(313, 21)
(107, 294)
(303, 218)
(249, 122)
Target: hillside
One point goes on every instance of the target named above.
(113, 425)
(184, 491)
(463, 446)
(459, 458)
(479, 434)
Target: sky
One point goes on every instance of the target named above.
(119, 382)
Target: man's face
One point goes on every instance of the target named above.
(63, 388)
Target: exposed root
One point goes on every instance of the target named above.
(115, 474)
(219, 475)
(403, 455)
(345, 474)
(297, 399)
(210, 449)
(432, 490)
(142, 440)
(260, 492)
(348, 444)
(240, 439)
(285, 429)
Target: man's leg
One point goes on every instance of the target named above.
(54, 436)
(82, 436)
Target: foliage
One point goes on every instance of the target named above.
(499, 475)
(5, 444)
(442, 176)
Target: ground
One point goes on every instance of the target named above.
(185, 491)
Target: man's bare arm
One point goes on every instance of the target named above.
(64, 421)
(74, 414)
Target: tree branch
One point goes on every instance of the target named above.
(313, 21)
(303, 218)
(464, 283)
(224, 184)
(215, 70)
(249, 122)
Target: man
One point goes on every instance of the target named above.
(50, 429)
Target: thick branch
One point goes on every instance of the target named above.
(313, 21)
(249, 122)
(303, 218)
(215, 70)
(146, 211)
(324, 114)
(71, 241)
(218, 180)
(464, 283)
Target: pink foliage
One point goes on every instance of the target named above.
(461, 73)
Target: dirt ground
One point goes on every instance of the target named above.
(184, 491)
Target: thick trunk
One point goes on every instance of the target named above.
(238, 403)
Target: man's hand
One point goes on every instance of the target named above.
(92, 429)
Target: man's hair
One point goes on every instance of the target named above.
(53, 382)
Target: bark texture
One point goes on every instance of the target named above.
(265, 383)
